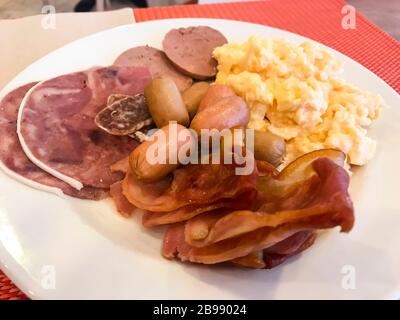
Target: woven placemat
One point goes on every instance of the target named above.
(8, 291)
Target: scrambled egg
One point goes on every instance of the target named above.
(295, 91)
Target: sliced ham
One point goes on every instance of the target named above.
(156, 61)
(56, 124)
(174, 244)
(18, 165)
(121, 165)
(297, 242)
(301, 241)
(233, 248)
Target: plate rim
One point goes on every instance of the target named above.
(15, 275)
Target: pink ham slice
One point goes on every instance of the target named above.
(14, 158)
(156, 61)
(58, 131)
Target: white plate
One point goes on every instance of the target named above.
(95, 253)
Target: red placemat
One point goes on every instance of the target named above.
(8, 291)
(320, 20)
(317, 19)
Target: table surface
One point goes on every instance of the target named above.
(384, 13)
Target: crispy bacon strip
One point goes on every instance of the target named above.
(293, 244)
(273, 259)
(124, 207)
(174, 243)
(191, 184)
(254, 260)
(279, 253)
(240, 233)
(234, 247)
(323, 194)
(151, 219)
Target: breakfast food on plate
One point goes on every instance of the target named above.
(190, 50)
(165, 102)
(257, 220)
(215, 93)
(17, 164)
(57, 129)
(156, 61)
(277, 253)
(88, 134)
(150, 172)
(295, 91)
(269, 147)
(124, 114)
(226, 113)
(193, 96)
(310, 195)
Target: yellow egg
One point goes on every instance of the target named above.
(296, 91)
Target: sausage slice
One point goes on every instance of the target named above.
(190, 50)
(156, 61)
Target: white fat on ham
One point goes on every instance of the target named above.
(52, 92)
(71, 181)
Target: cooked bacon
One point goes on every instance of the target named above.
(255, 221)
(57, 124)
(234, 247)
(272, 259)
(191, 184)
(124, 207)
(278, 253)
(254, 260)
(293, 244)
(174, 241)
(240, 233)
(151, 219)
(174, 246)
(324, 195)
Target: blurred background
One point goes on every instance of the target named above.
(20, 8)
(384, 13)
